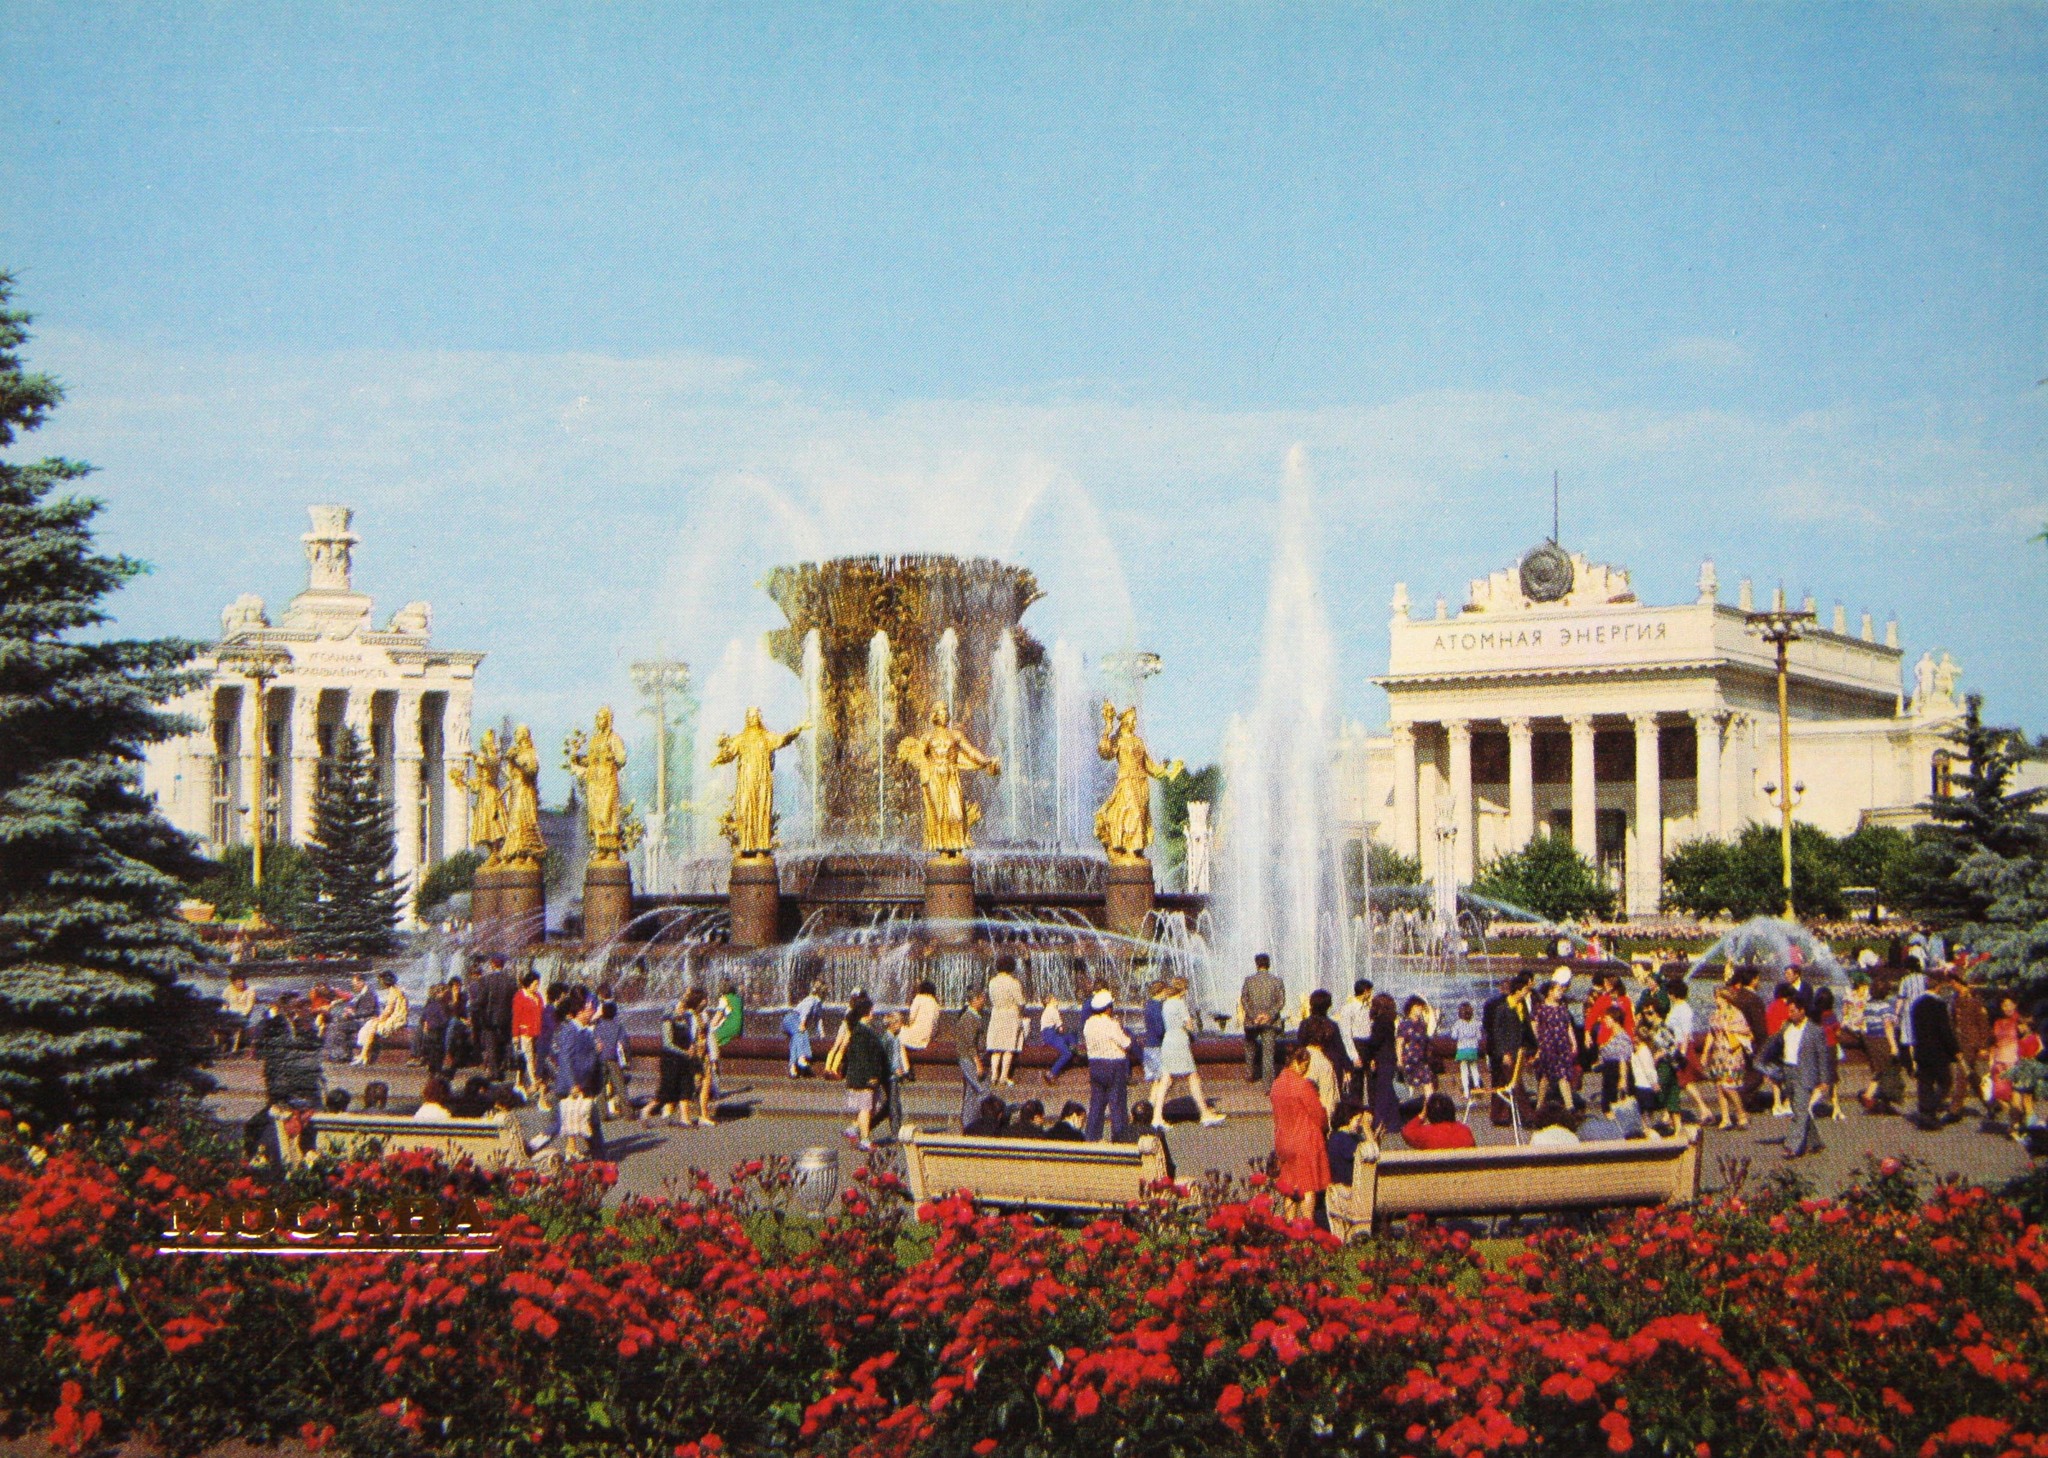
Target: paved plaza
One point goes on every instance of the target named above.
(765, 1113)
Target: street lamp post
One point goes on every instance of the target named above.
(1780, 627)
(655, 677)
(1447, 879)
(259, 665)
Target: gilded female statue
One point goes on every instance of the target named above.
(1124, 823)
(596, 761)
(487, 819)
(750, 823)
(940, 754)
(523, 845)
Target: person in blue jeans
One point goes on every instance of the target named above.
(1052, 1031)
(1109, 1068)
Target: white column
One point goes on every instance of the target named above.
(1459, 732)
(357, 716)
(302, 743)
(1738, 777)
(1646, 883)
(1521, 783)
(1404, 834)
(405, 784)
(1585, 838)
(1706, 728)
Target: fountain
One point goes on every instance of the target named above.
(1768, 942)
(895, 636)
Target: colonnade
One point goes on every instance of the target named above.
(1434, 798)
(428, 730)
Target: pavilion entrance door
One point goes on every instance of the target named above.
(1610, 831)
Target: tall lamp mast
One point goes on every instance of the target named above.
(1780, 627)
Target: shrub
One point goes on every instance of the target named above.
(1879, 1322)
(1547, 876)
(451, 876)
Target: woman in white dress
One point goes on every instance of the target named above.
(1177, 1056)
(1005, 1020)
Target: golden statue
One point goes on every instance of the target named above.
(596, 760)
(1124, 823)
(487, 817)
(750, 823)
(523, 845)
(940, 754)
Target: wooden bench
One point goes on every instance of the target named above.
(1038, 1173)
(488, 1143)
(1515, 1180)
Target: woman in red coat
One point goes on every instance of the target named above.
(1300, 1137)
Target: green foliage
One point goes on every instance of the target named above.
(1983, 821)
(1745, 877)
(1877, 856)
(1549, 877)
(229, 887)
(1391, 868)
(2013, 930)
(1395, 878)
(451, 876)
(357, 896)
(94, 1023)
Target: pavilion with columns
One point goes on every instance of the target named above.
(1555, 701)
(328, 667)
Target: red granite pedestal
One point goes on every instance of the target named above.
(607, 901)
(949, 897)
(754, 902)
(1127, 898)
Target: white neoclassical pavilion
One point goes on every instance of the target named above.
(408, 700)
(1554, 700)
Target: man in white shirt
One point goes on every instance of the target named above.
(1109, 1068)
(1354, 1023)
(1799, 1056)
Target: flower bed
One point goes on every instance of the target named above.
(714, 1323)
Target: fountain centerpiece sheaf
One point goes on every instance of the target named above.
(895, 635)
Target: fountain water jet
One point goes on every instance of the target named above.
(1282, 888)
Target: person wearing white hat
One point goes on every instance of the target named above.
(1109, 1068)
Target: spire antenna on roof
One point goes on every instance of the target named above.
(1553, 508)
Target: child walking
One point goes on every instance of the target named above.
(1465, 1035)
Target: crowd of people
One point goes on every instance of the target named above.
(1633, 1059)
(563, 1048)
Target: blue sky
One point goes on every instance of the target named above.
(596, 312)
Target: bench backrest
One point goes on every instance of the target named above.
(489, 1143)
(1046, 1173)
(1521, 1179)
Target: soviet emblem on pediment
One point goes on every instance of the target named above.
(1546, 573)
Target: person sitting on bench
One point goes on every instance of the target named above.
(1437, 1126)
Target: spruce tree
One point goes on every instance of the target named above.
(1982, 823)
(94, 1020)
(356, 896)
